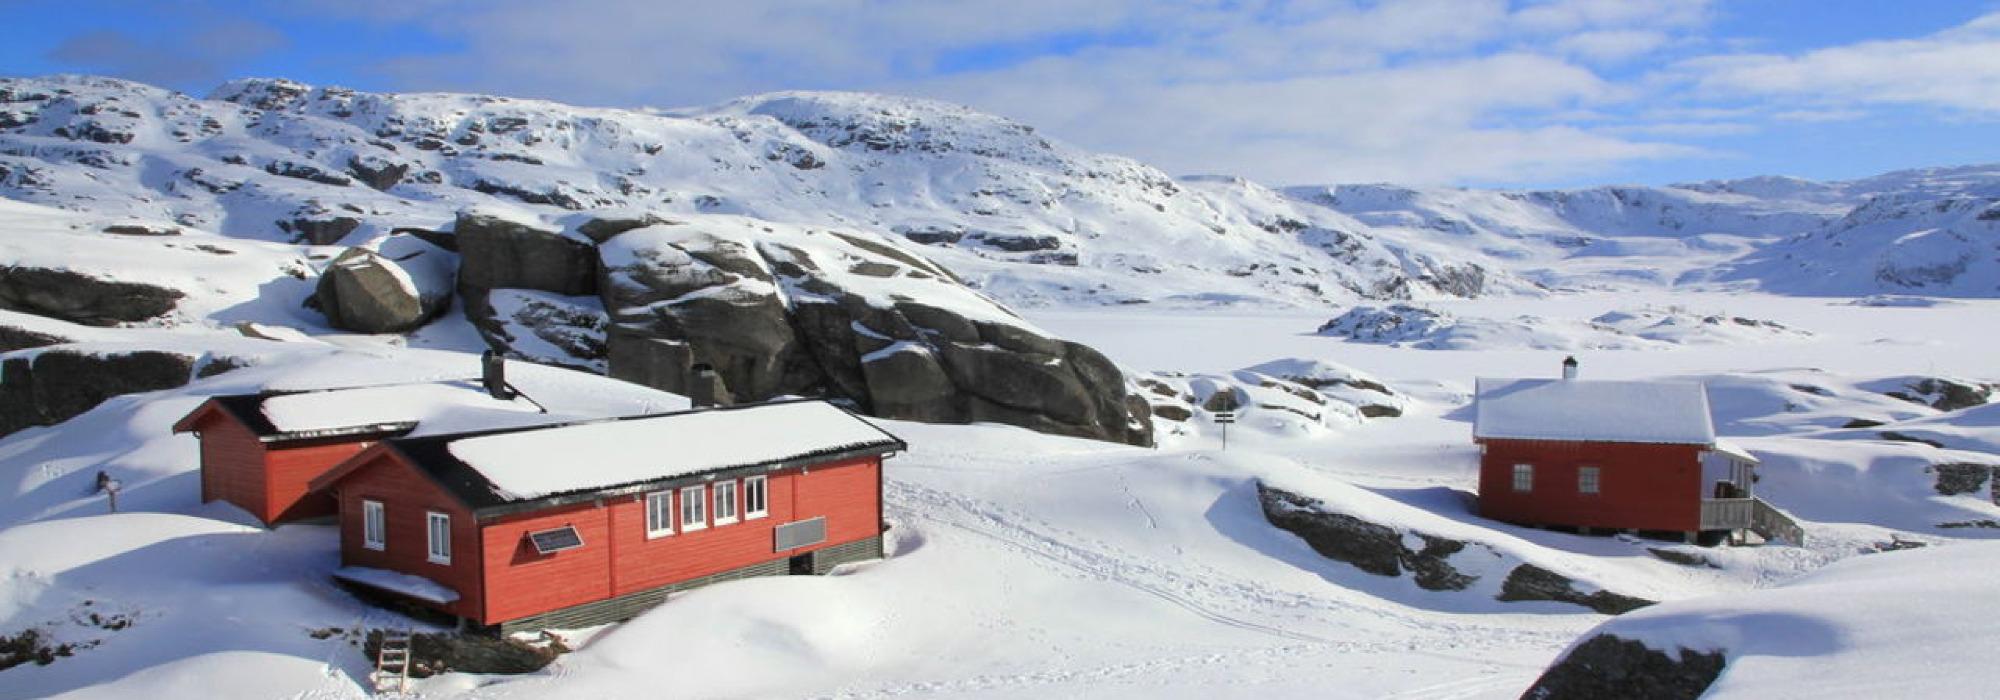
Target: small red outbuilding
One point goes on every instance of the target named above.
(583, 523)
(1614, 455)
(261, 451)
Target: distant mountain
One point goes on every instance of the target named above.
(1025, 219)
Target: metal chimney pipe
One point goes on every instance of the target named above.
(493, 375)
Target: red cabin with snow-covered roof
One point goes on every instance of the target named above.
(583, 523)
(1612, 455)
(261, 451)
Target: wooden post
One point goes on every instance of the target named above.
(1224, 419)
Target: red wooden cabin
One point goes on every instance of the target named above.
(1614, 455)
(583, 523)
(261, 451)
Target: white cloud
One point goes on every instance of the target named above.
(1612, 45)
(1424, 90)
(1956, 69)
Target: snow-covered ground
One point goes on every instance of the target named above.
(1025, 565)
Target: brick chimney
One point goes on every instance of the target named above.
(705, 387)
(1569, 367)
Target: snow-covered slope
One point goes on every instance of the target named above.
(1029, 220)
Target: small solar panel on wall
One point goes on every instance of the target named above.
(556, 540)
(803, 533)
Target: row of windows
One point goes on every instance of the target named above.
(750, 497)
(1587, 479)
(375, 531)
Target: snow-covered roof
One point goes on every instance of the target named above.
(410, 585)
(362, 406)
(1735, 451)
(495, 468)
(1593, 411)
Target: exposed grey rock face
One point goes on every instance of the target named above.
(322, 231)
(56, 385)
(80, 298)
(12, 339)
(1384, 551)
(1530, 582)
(496, 252)
(1945, 394)
(1611, 667)
(1370, 547)
(546, 328)
(1955, 479)
(396, 287)
(775, 318)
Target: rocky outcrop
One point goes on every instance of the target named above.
(395, 285)
(1965, 478)
(546, 328)
(1370, 547)
(832, 314)
(321, 231)
(53, 386)
(80, 298)
(1386, 551)
(1945, 394)
(497, 252)
(12, 339)
(1530, 582)
(1606, 666)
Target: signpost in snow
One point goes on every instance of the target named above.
(1224, 418)
(109, 487)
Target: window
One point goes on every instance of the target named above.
(440, 537)
(694, 508)
(1524, 477)
(373, 535)
(725, 502)
(1586, 480)
(659, 514)
(756, 503)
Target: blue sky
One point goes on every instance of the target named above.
(1481, 92)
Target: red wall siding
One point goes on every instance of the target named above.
(617, 558)
(289, 469)
(521, 582)
(407, 497)
(232, 464)
(1641, 486)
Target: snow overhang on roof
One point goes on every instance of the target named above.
(512, 470)
(1593, 411)
(1736, 452)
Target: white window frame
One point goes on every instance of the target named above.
(760, 486)
(694, 508)
(1524, 478)
(374, 526)
(440, 550)
(727, 509)
(659, 514)
(1589, 480)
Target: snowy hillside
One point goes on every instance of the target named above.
(1029, 220)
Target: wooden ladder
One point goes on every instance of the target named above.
(392, 662)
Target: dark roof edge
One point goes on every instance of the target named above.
(383, 429)
(1709, 444)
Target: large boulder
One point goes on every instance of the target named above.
(776, 310)
(80, 298)
(545, 327)
(1605, 666)
(393, 285)
(52, 386)
(497, 252)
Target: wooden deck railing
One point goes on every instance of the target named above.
(1726, 513)
(1772, 524)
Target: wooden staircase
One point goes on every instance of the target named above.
(392, 663)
